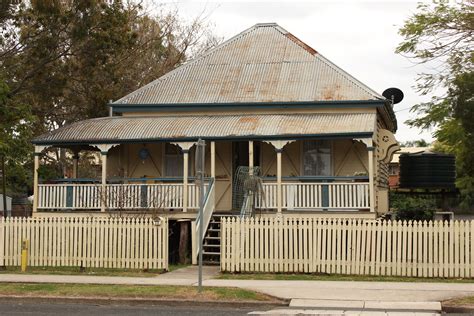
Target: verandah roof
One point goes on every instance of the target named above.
(129, 129)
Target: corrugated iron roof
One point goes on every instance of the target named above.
(407, 150)
(141, 129)
(265, 63)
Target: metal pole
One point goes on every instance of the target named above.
(201, 224)
(200, 150)
(6, 213)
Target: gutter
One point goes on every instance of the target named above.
(125, 107)
(209, 138)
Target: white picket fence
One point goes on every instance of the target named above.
(101, 242)
(348, 246)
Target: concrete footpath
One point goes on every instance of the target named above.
(304, 294)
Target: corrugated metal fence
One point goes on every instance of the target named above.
(102, 242)
(310, 245)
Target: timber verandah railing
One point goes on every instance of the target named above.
(303, 195)
(295, 196)
(91, 196)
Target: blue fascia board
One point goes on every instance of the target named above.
(222, 138)
(180, 107)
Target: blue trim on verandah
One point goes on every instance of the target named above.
(113, 180)
(126, 107)
(318, 178)
(209, 138)
(192, 178)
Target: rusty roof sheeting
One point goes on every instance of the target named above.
(262, 64)
(139, 129)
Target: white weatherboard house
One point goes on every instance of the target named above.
(318, 139)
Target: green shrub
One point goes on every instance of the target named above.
(412, 207)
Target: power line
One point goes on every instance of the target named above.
(403, 109)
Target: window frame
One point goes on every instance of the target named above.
(190, 160)
(302, 160)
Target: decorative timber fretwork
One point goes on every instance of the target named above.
(388, 145)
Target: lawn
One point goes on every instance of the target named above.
(131, 291)
(334, 277)
(90, 271)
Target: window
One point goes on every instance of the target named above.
(317, 158)
(173, 161)
(393, 169)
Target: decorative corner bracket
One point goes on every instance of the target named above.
(185, 146)
(279, 144)
(39, 149)
(367, 141)
(104, 148)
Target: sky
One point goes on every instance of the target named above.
(358, 36)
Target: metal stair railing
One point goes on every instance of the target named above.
(208, 210)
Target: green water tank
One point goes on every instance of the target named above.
(427, 170)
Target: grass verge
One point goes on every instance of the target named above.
(131, 291)
(90, 271)
(461, 301)
(333, 277)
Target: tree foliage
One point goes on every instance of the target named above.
(15, 132)
(441, 37)
(66, 59)
(415, 143)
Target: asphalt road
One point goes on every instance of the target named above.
(87, 309)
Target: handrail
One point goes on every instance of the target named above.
(208, 210)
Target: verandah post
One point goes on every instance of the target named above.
(104, 149)
(251, 157)
(279, 188)
(278, 145)
(103, 181)
(185, 179)
(370, 151)
(37, 153)
(185, 147)
(213, 159)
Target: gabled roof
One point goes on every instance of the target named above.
(265, 63)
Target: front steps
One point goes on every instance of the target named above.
(212, 242)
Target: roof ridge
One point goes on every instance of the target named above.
(203, 56)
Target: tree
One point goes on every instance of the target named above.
(67, 59)
(15, 149)
(441, 36)
(416, 143)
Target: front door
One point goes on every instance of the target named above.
(240, 158)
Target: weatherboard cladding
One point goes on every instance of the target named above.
(125, 128)
(262, 64)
